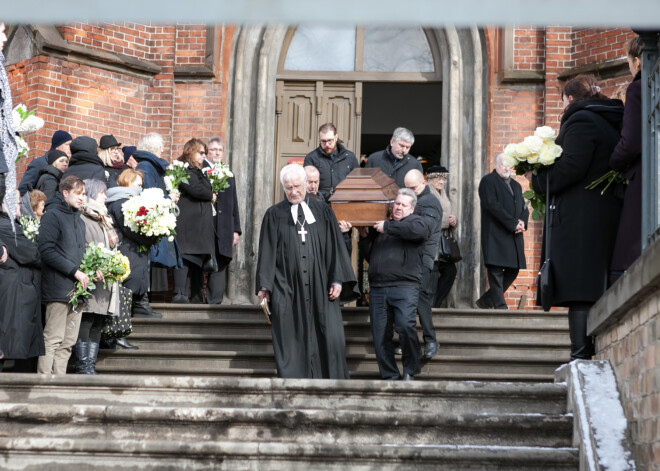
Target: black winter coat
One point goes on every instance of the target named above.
(194, 226)
(85, 163)
(385, 161)
(62, 246)
(332, 171)
(428, 206)
(396, 256)
(227, 220)
(21, 334)
(49, 180)
(584, 221)
(500, 212)
(112, 174)
(129, 245)
(627, 158)
(31, 175)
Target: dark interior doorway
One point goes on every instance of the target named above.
(416, 106)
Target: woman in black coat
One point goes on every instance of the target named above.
(51, 174)
(85, 163)
(21, 332)
(627, 159)
(584, 221)
(194, 226)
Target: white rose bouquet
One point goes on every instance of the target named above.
(25, 121)
(150, 214)
(30, 227)
(218, 176)
(176, 174)
(534, 152)
(114, 265)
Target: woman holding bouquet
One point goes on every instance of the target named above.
(194, 225)
(103, 301)
(130, 184)
(584, 222)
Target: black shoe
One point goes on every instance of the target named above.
(123, 343)
(431, 350)
(408, 377)
(481, 305)
(398, 351)
(180, 299)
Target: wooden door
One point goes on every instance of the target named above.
(302, 107)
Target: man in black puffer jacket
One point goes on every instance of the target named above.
(395, 161)
(62, 247)
(394, 251)
(85, 163)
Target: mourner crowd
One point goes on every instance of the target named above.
(73, 204)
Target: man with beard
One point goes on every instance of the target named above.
(304, 271)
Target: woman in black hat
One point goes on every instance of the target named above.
(110, 153)
(444, 273)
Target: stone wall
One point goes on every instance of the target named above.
(626, 323)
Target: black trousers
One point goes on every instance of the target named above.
(393, 308)
(215, 285)
(442, 279)
(424, 307)
(189, 273)
(499, 279)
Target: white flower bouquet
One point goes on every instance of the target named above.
(30, 227)
(534, 152)
(176, 174)
(24, 121)
(150, 214)
(218, 176)
(114, 265)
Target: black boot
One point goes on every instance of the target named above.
(82, 357)
(93, 351)
(141, 307)
(582, 346)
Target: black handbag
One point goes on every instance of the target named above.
(120, 326)
(448, 250)
(211, 264)
(544, 283)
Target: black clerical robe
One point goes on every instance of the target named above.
(308, 334)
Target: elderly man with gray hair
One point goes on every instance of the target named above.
(394, 250)
(304, 272)
(395, 161)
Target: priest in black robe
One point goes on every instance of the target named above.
(304, 271)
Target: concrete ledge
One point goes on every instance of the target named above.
(599, 424)
(634, 286)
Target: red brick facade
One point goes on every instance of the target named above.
(188, 95)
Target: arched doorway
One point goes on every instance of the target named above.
(367, 80)
(256, 58)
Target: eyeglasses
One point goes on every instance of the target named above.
(328, 141)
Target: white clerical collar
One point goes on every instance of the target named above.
(309, 217)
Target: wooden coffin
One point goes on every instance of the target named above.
(364, 197)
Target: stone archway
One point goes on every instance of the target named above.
(251, 142)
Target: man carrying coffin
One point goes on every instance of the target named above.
(304, 271)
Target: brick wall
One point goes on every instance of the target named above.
(632, 347)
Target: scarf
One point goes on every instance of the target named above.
(99, 212)
(26, 206)
(8, 136)
(121, 193)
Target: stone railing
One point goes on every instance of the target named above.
(626, 325)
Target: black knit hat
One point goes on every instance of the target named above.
(59, 138)
(55, 154)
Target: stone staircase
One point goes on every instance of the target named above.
(202, 423)
(476, 345)
(200, 394)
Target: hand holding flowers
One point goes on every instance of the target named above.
(150, 214)
(534, 152)
(176, 174)
(98, 263)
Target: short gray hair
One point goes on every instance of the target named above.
(93, 187)
(152, 142)
(217, 139)
(292, 169)
(408, 192)
(403, 134)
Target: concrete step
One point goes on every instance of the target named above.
(440, 397)
(475, 345)
(311, 426)
(131, 455)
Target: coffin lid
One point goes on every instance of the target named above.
(365, 184)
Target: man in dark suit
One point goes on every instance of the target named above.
(504, 217)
